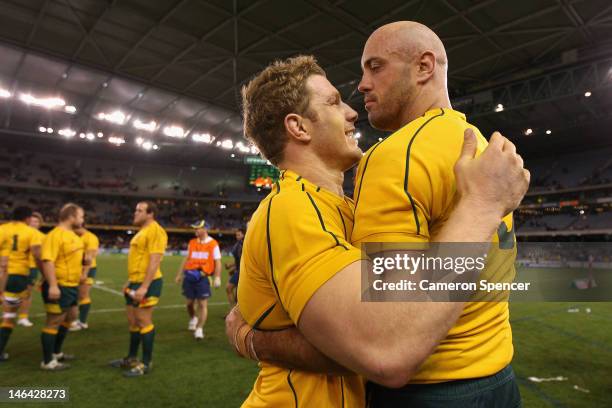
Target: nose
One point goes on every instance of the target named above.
(350, 114)
(364, 85)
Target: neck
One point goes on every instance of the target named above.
(147, 223)
(424, 103)
(314, 170)
(66, 225)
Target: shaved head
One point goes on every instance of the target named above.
(409, 40)
(404, 74)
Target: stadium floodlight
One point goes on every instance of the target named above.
(117, 117)
(42, 129)
(146, 126)
(357, 135)
(155, 147)
(67, 133)
(115, 140)
(499, 108)
(139, 141)
(548, 132)
(587, 94)
(254, 149)
(227, 144)
(52, 102)
(90, 136)
(174, 131)
(70, 109)
(244, 149)
(232, 155)
(223, 206)
(528, 132)
(202, 138)
(5, 93)
(82, 135)
(49, 130)
(100, 135)
(147, 145)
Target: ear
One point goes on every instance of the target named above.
(297, 128)
(426, 66)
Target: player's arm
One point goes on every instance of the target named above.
(36, 251)
(286, 348)
(49, 253)
(3, 272)
(179, 273)
(217, 272)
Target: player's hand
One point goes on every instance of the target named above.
(217, 282)
(140, 294)
(54, 292)
(233, 323)
(494, 181)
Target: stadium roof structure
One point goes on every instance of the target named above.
(514, 66)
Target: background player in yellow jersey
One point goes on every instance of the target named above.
(17, 242)
(91, 245)
(35, 221)
(62, 266)
(297, 247)
(143, 288)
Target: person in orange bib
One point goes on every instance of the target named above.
(203, 260)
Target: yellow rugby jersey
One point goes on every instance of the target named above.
(296, 241)
(151, 239)
(90, 242)
(65, 249)
(17, 240)
(404, 192)
(32, 263)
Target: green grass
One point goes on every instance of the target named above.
(548, 341)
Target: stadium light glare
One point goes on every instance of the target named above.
(42, 129)
(232, 155)
(49, 130)
(146, 126)
(254, 149)
(174, 131)
(380, 139)
(357, 135)
(82, 135)
(528, 132)
(100, 135)
(155, 147)
(115, 140)
(4, 93)
(244, 149)
(587, 94)
(67, 133)
(139, 141)
(227, 144)
(548, 131)
(90, 136)
(223, 206)
(581, 212)
(499, 107)
(117, 117)
(202, 138)
(70, 109)
(52, 102)
(147, 145)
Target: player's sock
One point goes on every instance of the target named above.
(5, 332)
(47, 339)
(84, 306)
(148, 335)
(134, 342)
(22, 316)
(61, 336)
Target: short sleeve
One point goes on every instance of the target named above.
(51, 248)
(95, 243)
(157, 242)
(307, 245)
(37, 239)
(216, 252)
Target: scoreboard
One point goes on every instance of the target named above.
(262, 174)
